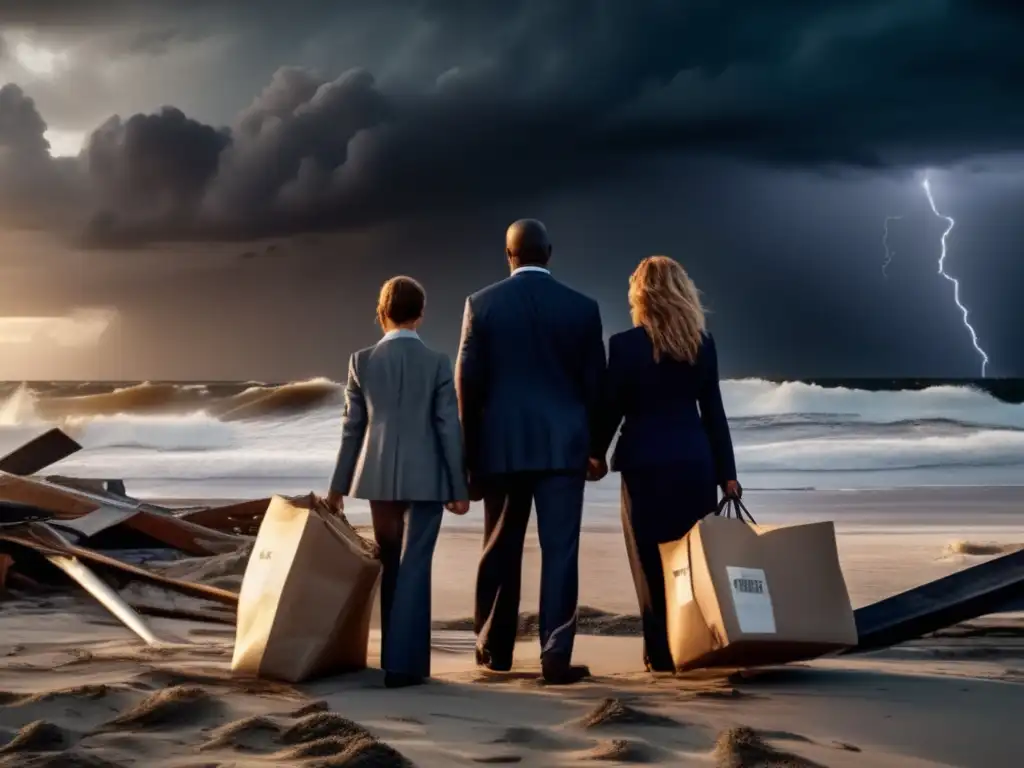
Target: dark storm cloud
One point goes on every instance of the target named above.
(151, 171)
(33, 186)
(492, 100)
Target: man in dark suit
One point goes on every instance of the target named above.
(529, 376)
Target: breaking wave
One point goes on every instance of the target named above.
(261, 431)
(262, 401)
(987, 448)
(195, 432)
(750, 403)
(755, 399)
(258, 401)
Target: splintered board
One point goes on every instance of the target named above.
(990, 587)
(39, 453)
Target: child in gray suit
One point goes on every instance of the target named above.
(401, 449)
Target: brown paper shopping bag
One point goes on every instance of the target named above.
(740, 595)
(307, 595)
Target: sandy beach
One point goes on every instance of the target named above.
(77, 689)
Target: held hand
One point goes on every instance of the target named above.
(457, 507)
(732, 490)
(335, 501)
(596, 469)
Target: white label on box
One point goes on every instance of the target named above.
(684, 586)
(752, 600)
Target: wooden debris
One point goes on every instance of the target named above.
(241, 518)
(58, 502)
(39, 453)
(43, 539)
(106, 597)
(183, 535)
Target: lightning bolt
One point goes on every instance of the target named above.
(950, 223)
(885, 244)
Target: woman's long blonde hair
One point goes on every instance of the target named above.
(664, 300)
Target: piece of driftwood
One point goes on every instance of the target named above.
(982, 589)
(39, 453)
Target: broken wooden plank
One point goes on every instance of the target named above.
(113, 488)
(106, 596)
(43, 539)
(70, 500)
(97, 521)
(153, 521)
(242, 517)
(59, 502)
(183, 535)
(39, 453)
(976, 591)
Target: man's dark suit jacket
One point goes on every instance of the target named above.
(529, 376)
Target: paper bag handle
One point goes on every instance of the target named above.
(729, 503)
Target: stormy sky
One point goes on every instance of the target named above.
(230, 182)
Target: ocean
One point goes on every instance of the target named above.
(244, 439)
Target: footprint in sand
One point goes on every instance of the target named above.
(532, 738)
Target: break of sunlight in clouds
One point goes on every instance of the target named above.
(81, 328)
(34, 58)
(65, 143)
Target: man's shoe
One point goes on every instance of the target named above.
(485, 660)
(401, 680)
(557, 670)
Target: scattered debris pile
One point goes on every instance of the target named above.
(55, 528)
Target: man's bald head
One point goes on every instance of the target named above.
(527, 244)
